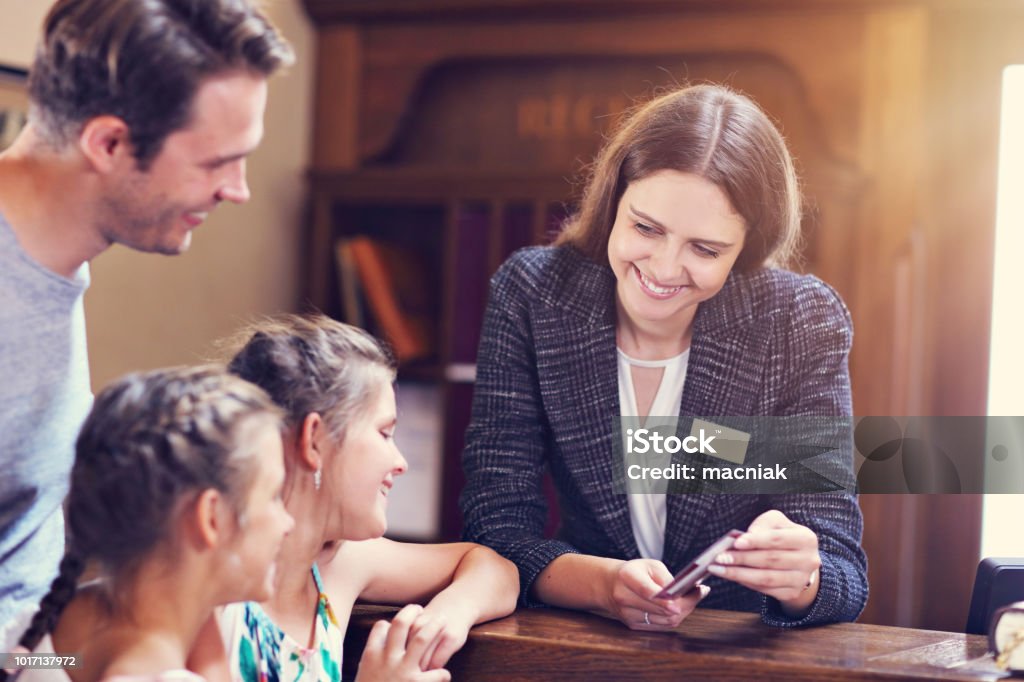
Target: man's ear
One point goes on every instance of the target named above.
(310, 446)
(106, 142)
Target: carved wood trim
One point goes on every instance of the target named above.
(396, 58)
(329, 11)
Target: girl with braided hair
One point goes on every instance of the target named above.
(175, 499)
(334, 383)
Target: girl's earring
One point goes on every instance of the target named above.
(316, 479)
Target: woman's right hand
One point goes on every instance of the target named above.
(391, 654)
(631, 591)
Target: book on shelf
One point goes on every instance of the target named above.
(384, 288)
(351, 294)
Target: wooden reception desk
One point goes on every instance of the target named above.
(542, 644)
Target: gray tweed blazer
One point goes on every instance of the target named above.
(770, 343)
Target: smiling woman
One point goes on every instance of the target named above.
(665, 267)
(659, 300)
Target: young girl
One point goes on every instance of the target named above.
(334, 383)
(176, 500)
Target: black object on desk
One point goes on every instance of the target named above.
(998, 582)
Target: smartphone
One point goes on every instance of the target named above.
(686, 579)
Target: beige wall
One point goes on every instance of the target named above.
(18, 29)
(147, 311)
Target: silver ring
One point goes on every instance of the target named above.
(647, 619)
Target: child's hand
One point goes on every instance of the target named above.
(452, 625)
(394, 652)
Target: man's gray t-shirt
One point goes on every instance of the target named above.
(44, 397)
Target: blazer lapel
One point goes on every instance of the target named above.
(577, 361)
(724, 332)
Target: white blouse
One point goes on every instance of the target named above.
(647, 510)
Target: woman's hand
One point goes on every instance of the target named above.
(394, 652)
(776, 557)
(631, 597)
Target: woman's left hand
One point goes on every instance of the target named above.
(776, 557)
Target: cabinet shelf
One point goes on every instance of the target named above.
(415, 185)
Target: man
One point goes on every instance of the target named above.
(142, 115)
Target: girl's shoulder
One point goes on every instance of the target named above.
(346, 572)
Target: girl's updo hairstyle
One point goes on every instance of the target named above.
(151, 441)
(314, 364)
(712, 132)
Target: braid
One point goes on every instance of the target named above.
(150, 440)
(312, 364)
(52, 605)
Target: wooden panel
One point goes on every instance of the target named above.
(970, 49)
(327, 11)
(889, 373)
(925, 546)
(319, 255)
(397, 56)
(891, 145)
(338, 84)
(549, 115)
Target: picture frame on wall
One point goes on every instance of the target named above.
(13, 103)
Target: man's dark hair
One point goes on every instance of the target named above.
(142, 61)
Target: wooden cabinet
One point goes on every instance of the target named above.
(496, 106)
(462, 225)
